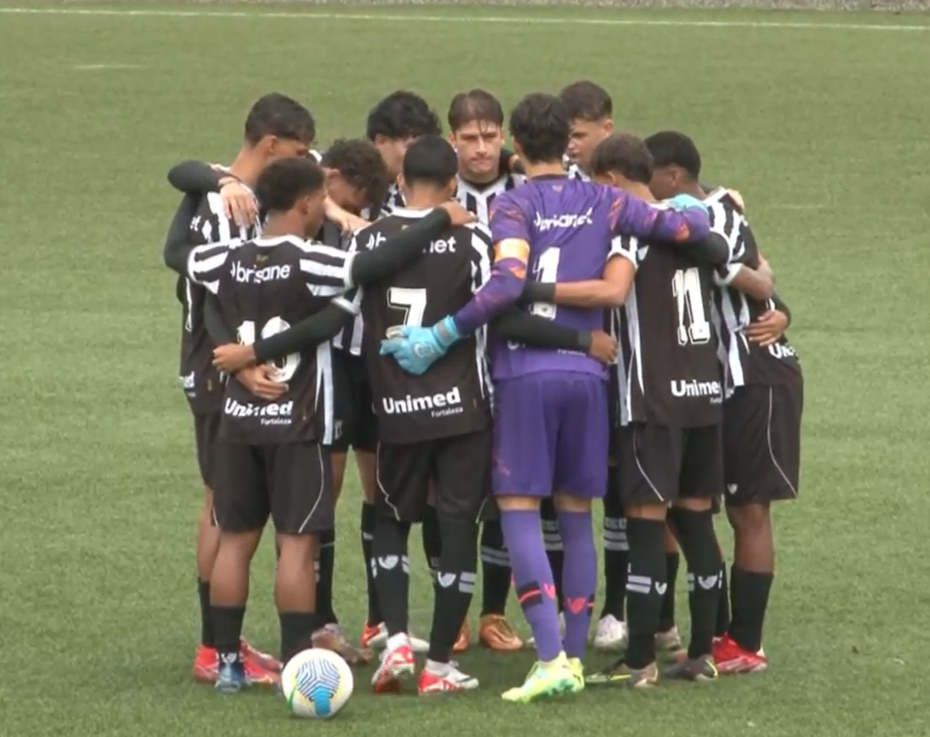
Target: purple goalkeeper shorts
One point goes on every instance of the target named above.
(551, 435)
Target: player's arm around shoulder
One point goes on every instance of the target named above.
(744, 269)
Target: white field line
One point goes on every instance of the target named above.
(414, 18)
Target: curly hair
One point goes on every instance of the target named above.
(361, 165)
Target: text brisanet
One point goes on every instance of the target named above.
(247, 275)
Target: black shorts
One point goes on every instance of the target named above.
(290, 482)
(356, 422)
(658, 465)
(762, 443)
(459, 466)
(206, 432)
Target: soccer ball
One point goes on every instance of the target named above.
(316, 683)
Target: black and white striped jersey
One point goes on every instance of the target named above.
(477, 198)
(573, 171)
(453, 397)
(202, 383)
(667, 370)
(744, 363)
(264, 286)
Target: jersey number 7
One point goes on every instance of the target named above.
(411, 301)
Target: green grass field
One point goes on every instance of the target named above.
(821, 125)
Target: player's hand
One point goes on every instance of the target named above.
(238, 203)
(350, 223)
(233, 357)
(417, 348)
(685, 202)
(260, 381)
(737, 199)
(457, 214)
(767, 329)
(603, 347)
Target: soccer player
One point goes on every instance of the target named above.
(669, 450)
(356, 178)
(276, 127)
(551, 425)
(476, 130)
(591, 111)
(393, 124)
(762, 414)
(272, 457)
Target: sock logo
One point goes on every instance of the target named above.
(661, 588)
(708, 582)
(388, 562)
(549, 590)
(732, 488)
(445, 580)
(229, 658)
(576, 605)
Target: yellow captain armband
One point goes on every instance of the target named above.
(516, 248)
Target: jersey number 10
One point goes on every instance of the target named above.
(693, 327)
(286, 366)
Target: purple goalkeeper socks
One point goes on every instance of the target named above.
(533, 579)
(579, 579)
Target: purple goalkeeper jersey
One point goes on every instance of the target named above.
(567, 224)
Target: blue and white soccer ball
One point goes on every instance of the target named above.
(316, 683)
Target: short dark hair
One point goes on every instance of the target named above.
(540, 124)
(361, 165)
(285, 181)
(587, 101)
(402, 115)
(474, 105)
(278, 115)
(430, 160)
(624, 154)
(671, 148)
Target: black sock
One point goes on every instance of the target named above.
(454, 585)
(206, 618)
(495, 569)
(723, 606)
(392, 572)
(432, 540)
(326, 564)
(369, 516)
(552, 539)
(644, 587)
(616, 551)
(667, 614)
(750, 600)
(702, 553)
(227, 628)
(297, 632)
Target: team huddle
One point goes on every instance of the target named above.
(502, 338)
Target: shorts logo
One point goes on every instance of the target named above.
(707, 582)
(273, 413)
(732, 488)
(661, 588)
(187, 381)
(438, 405)
(388, 562)
(246, 275)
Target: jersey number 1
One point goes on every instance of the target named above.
(411, 301)
(547, 271)
(693, 327)
(286, 366)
